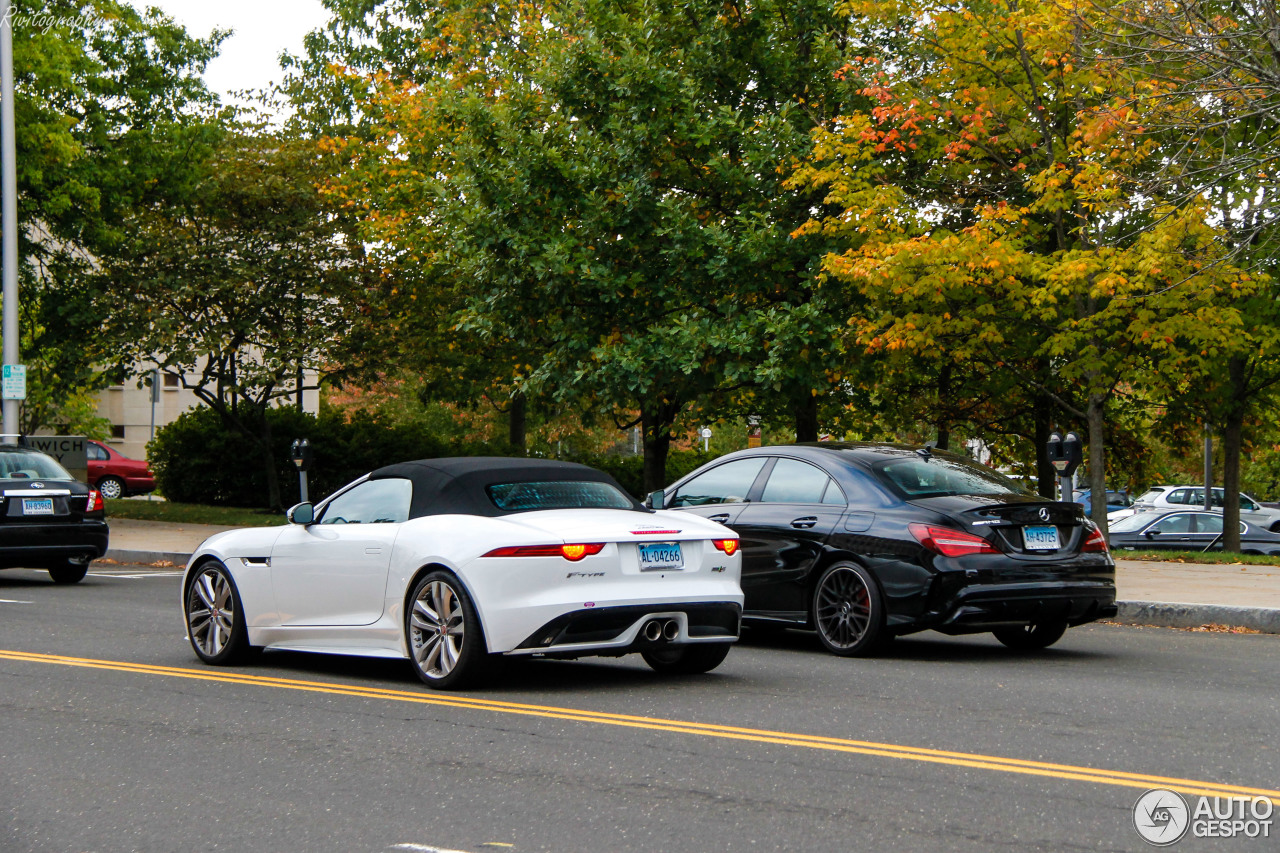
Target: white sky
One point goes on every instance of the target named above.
(263, 29)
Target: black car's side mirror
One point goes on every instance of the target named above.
(656, 500)
(1155, 531)
(303, 513)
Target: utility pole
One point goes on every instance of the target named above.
(8, 219)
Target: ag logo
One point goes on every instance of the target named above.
(1161, 817)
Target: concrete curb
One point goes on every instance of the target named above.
(146, 558)
(1166, 614)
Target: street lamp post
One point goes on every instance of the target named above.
(8, 217)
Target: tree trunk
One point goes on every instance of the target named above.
(273, 477)
(517, 415)
(1046, 474)
(1097, 461)
(806, 414)
(944, 400)
(655, 427)
(1232, 438)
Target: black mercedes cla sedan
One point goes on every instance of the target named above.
(864, 542)
(48, 519)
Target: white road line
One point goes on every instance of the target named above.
(135, 576)
(424, 848)
(14, 601)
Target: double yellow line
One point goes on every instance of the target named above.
(828, 744)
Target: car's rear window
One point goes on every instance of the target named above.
(557, 494)
(1150, 495)
(31, 466)
(937, 477)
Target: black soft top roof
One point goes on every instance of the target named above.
(456, 485)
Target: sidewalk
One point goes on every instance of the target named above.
(1175, 595)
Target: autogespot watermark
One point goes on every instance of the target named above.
(1163, 817)
(46, 21)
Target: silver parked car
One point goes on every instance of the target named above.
(1192, 497)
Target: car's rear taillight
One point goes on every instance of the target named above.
(950, 543)
(1095, 542)
(572, 553)
(729, 546)
(94, 502)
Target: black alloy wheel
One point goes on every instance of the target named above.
(215, 616)
(1038, 635)
(848, 611)
(687, 659)
(69, 573)
(446, 641)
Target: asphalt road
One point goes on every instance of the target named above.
(117, 739)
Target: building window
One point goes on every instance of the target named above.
(117, 430)
(171, 382)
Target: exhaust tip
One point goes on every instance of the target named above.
(670, 629)
(652, 631)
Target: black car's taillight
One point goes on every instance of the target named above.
(1095, 542)
(94, 502)
(950, 543)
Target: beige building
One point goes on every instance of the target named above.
(129, 409)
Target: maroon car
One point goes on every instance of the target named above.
(116, 475)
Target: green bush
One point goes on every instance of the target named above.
(197, 459)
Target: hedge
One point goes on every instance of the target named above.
(197, 459)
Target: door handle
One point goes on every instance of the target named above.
(719, 517)
(805, 523)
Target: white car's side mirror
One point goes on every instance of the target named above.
(303, 513)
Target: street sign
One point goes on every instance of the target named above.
(14, 385)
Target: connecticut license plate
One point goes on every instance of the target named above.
(661, 555)
(37, 506)
(1040, 538)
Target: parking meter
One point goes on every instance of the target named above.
(1065, 455)
(300, 453)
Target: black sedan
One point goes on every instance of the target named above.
(1187, 530)
(48, 519)
(864, 542)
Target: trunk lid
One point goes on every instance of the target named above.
(612, 525)
(29, 501)
(1025, 525)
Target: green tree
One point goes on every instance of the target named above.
(1026, 247)
(94, 95)
(241, 282)
(602, 184)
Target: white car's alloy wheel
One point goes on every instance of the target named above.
(446, 642)
(215, 623)
(437, 629)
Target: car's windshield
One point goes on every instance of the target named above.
(20, 465)
(557, 494)
(938, 476)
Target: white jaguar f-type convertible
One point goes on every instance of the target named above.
(454, 563)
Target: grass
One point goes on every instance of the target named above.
(1219, 557)
(192, 513)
